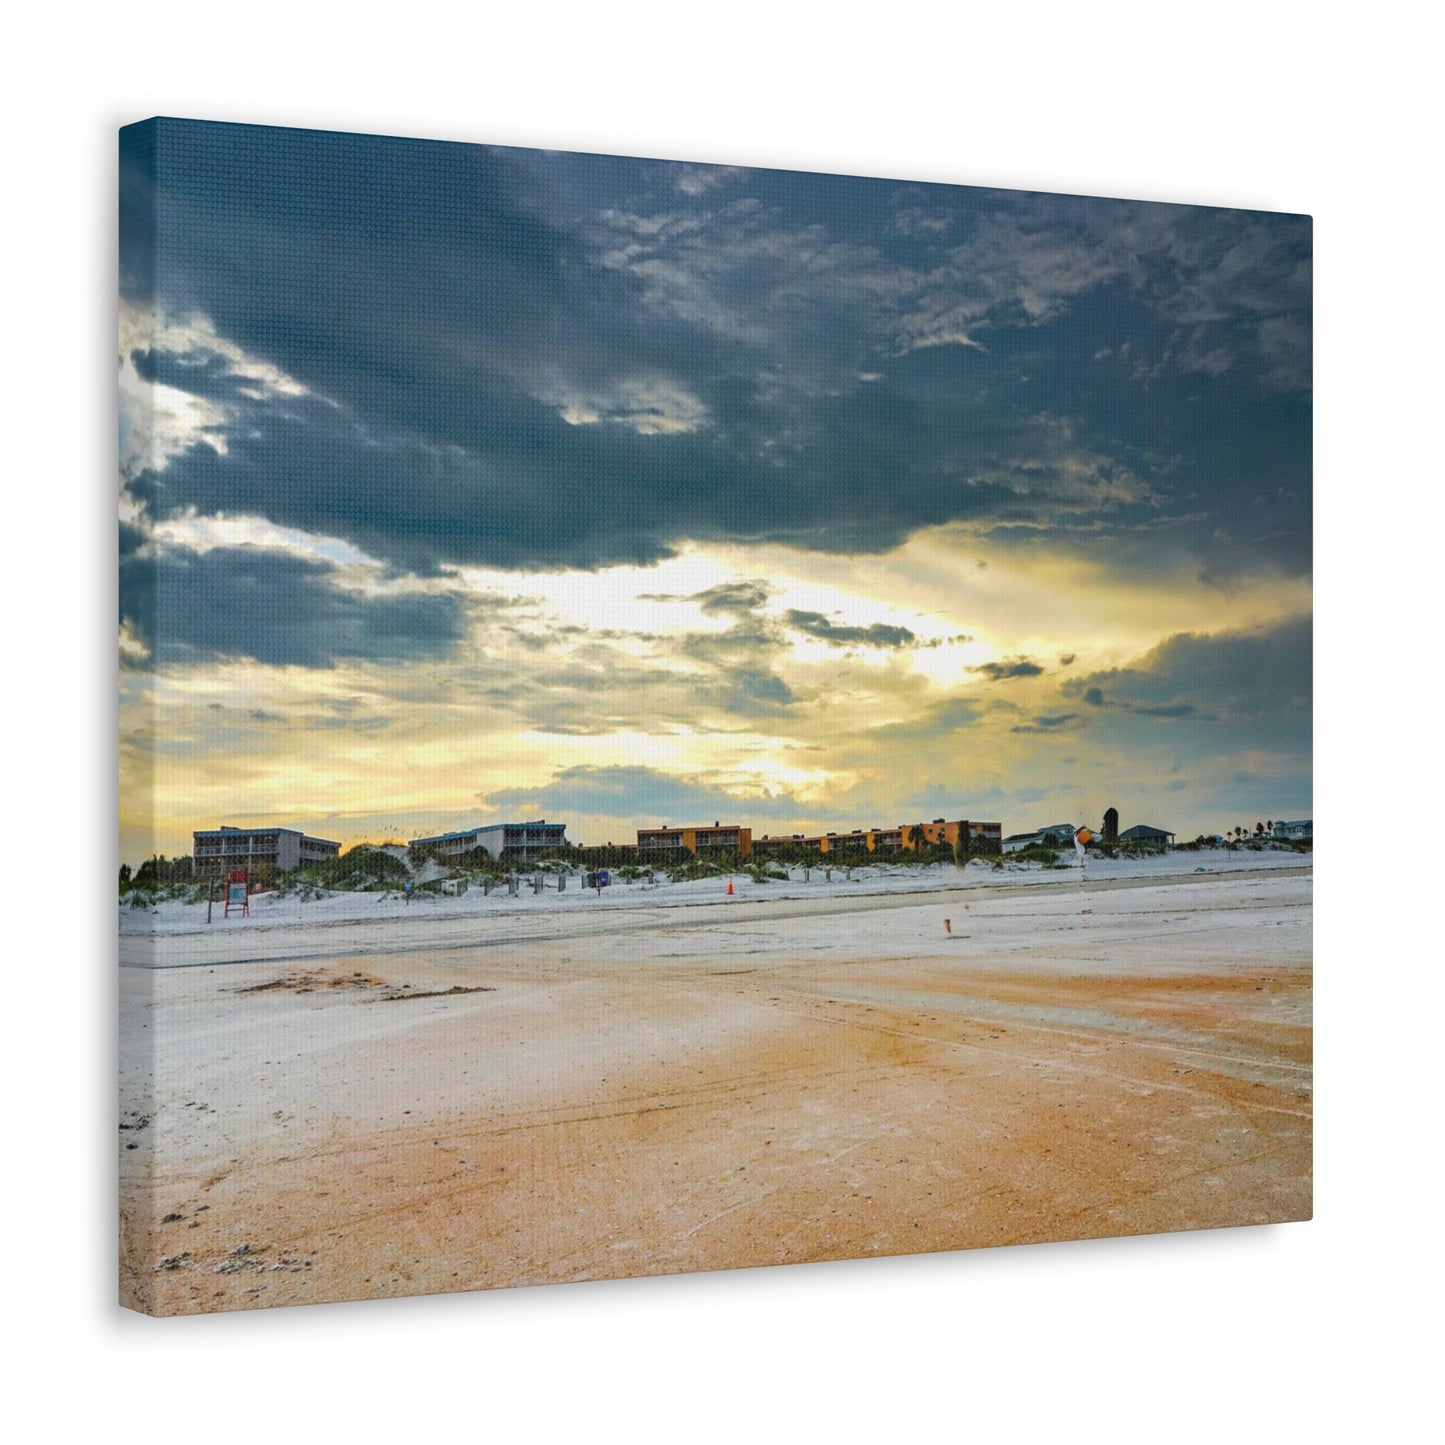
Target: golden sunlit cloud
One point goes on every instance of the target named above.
(360, 740)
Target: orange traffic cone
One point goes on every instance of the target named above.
(730, 887)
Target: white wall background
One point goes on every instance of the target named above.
(1251, 1334)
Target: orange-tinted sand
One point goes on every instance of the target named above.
(719, 1089)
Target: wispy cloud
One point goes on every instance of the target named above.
(698, 180)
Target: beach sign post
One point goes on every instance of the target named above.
(238, 894)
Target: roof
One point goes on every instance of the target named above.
(695, 828)
(447, 837)
(488, 828)
(226, 831)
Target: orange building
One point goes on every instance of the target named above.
(983, 838)
(855, 842)
(695, 840)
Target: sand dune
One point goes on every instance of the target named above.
(176, 934)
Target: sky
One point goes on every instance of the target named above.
(463, 484)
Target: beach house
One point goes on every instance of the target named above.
(1303, 828)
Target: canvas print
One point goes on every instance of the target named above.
(677, 717)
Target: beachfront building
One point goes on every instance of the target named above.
(512, 840)
(1141, 833)
(1056, 835)
(909, 837)
(668, 841)
(858, 841)
(981, 837)
(1303, 828)
(219, 850)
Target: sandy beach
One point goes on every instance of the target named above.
(356, 1097)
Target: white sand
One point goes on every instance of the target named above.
(578, 1088)
(176, 934)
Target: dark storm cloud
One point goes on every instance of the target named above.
(737, 597)
(137, 212)
(1003, 671)
(1057, 723)
(747, 599)
(1177, 709)
(877, 635)
(537, 361)
(1259, 683)
(277, 609)
(749, 692)
(206, 374)
(1094, 697)
(132, 539)
(416, 504)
